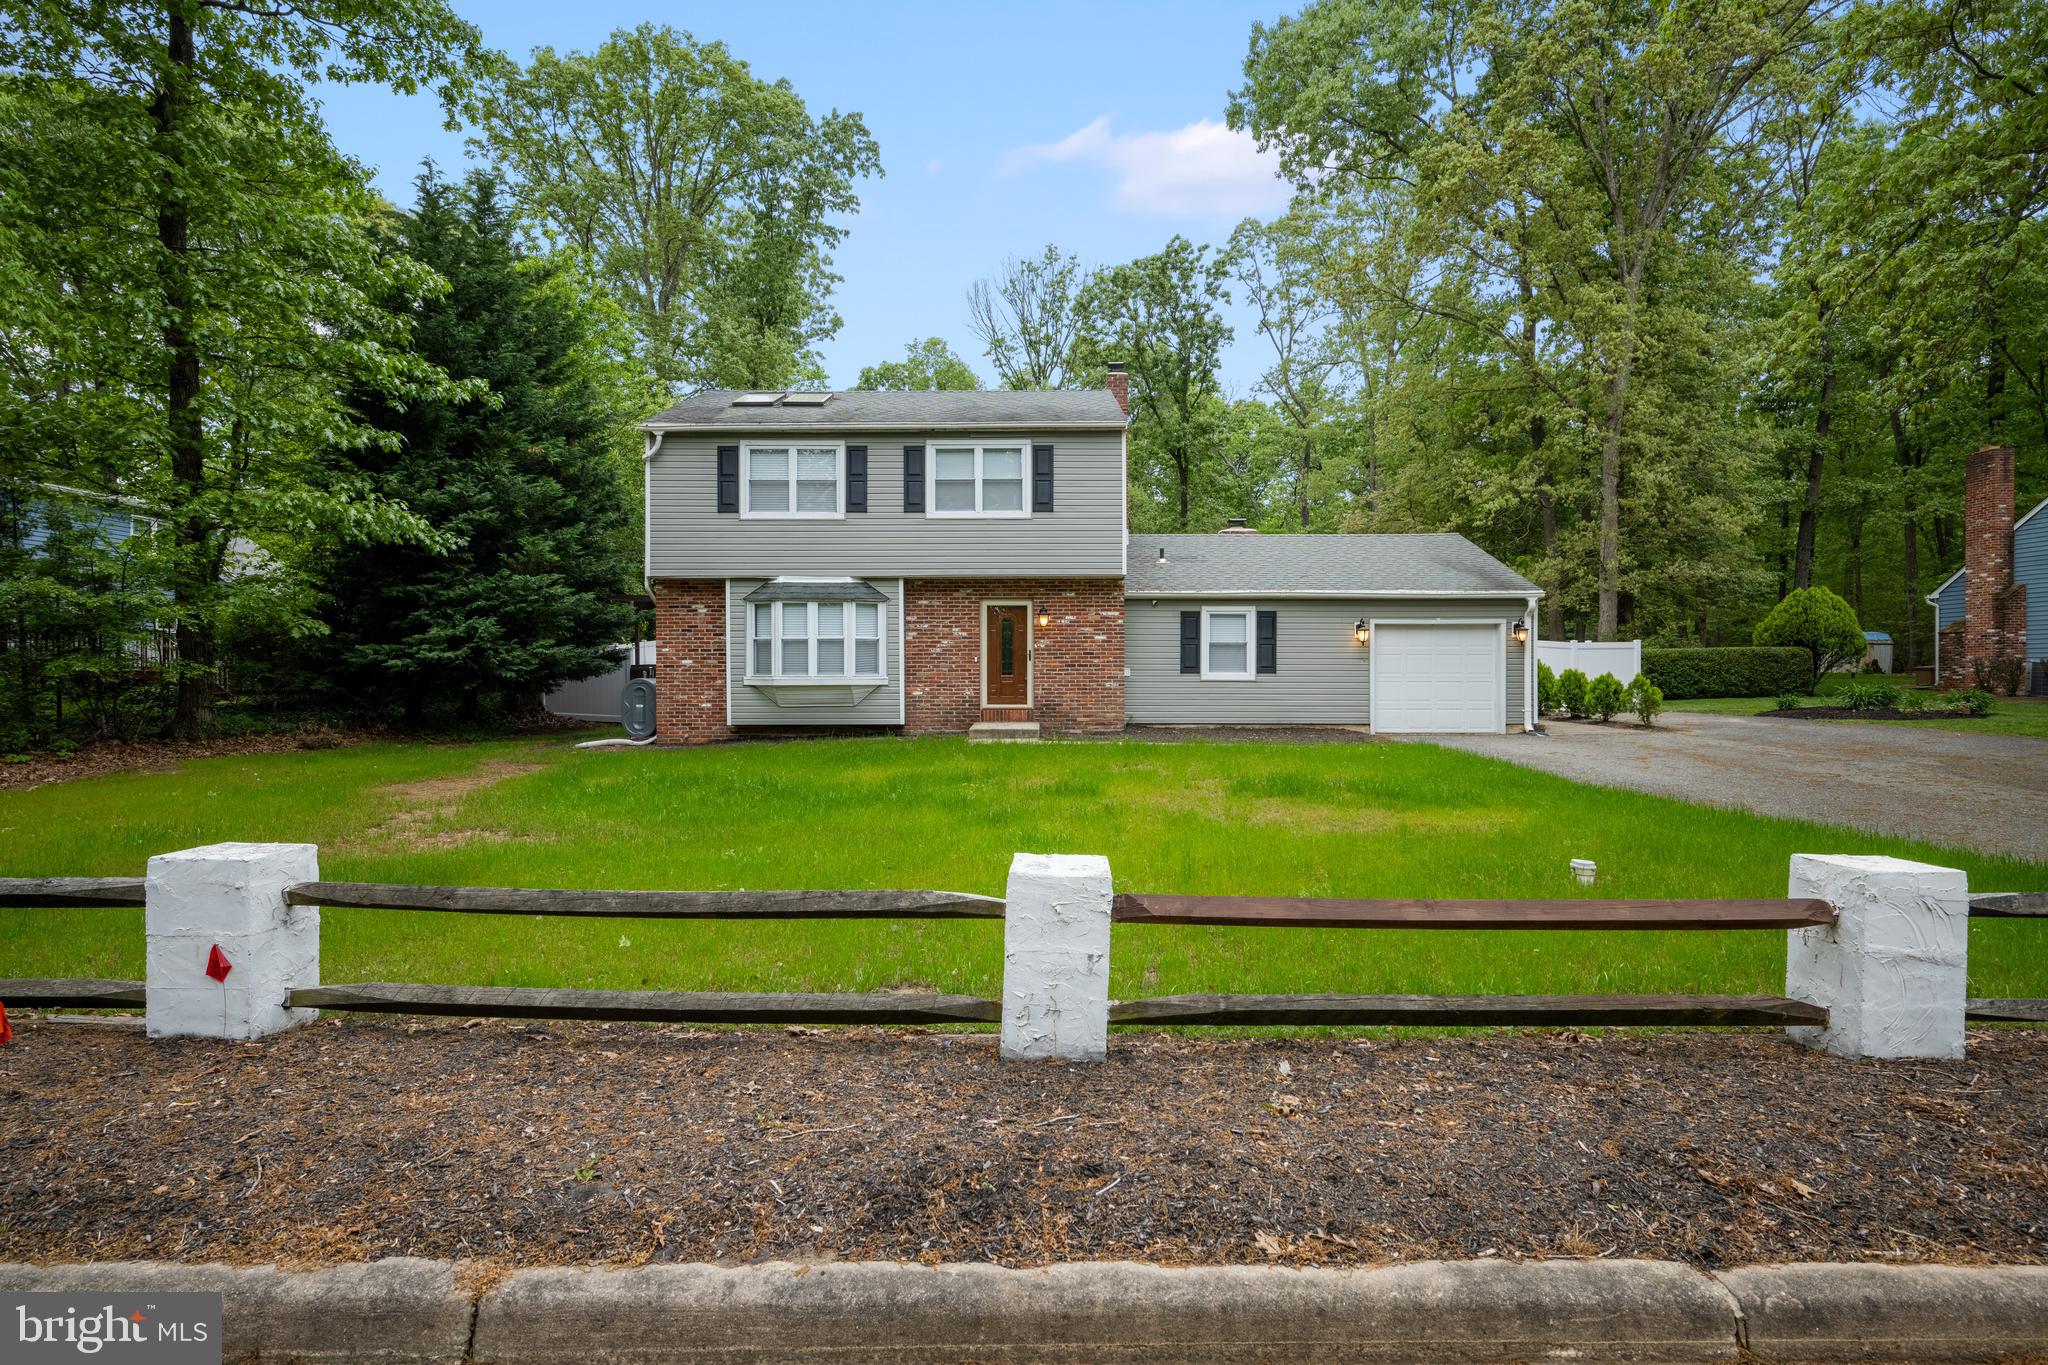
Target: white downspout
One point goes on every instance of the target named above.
(1529, 672)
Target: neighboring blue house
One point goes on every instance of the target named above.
(116, 521)
(2012, 555)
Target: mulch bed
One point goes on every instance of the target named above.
(1869, 713)
(522, 1144)
(158, 755)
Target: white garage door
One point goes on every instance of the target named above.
(1438, 679)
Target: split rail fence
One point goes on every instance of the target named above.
(1057, 918)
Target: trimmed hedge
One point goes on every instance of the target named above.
(1737, 671)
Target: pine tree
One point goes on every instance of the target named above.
(529, 479)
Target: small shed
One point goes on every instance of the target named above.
(1878, 646)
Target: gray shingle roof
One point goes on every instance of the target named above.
(715, 409)
(1365, 564)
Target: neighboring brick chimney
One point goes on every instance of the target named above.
(1994, 611)
(1238, 528)
(1120, 389)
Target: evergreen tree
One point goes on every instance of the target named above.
(528, 479)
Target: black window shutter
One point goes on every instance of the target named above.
(913, 478)
(1191, 642)
(1041, 478)
(1269, 631)
(856, 478)
(728, 478)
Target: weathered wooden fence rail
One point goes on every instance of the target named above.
(1057, 913)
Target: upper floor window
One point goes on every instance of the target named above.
(978, 481)
(793, 480)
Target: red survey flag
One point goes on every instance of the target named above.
(217, 964)
(6, 1029)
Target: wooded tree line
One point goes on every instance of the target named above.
(1675, 307)
(384, 459)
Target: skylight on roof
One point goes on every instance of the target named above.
(805, 400)
(756, 400)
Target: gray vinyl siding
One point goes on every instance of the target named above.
(1323, 676)
(688, 537)
(753, 705)
(2030, 566)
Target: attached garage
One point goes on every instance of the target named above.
(1402, 634)
(1446, 678)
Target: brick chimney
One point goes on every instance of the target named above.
(1994, 612)
(1238, 528)
(1120, 389)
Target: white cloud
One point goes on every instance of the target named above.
(1202, 169)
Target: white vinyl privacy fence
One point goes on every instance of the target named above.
(1622, 658)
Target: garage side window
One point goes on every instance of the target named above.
(1227, 643)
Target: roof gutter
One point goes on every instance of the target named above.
(1528, 593)
(766, 429)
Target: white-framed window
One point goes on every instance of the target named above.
(792, 479)
(971, 480)
(1227, 644)
(830, 641)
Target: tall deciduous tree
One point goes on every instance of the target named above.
(927, 364)
(189, 279)
(708, 198)
(1159, 315)
(1028, 321)
(524, 481)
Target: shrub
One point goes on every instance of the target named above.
(1865, 695)
(1871, 665)
(1817, 621)
(1789, 701)
(1571, 692)
(2007, 675)
(1911, 701)
(1645, 698)
(1742, 671)
(1976, 701)
(1546, 690)
(1605, 696)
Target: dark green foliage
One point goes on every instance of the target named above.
(1789, 701)
(1867, 695)
(1976, 701)
(1605, 696)
(1645, 698)
(1737, 671)
(1571, 692)
(528, 481)
(78, 596)
(1817, 621)
(1546, 689)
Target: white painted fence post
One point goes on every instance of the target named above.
(230, 897)
(1893, 971)
(1056, 958)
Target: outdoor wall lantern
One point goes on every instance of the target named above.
(1044, 619)
(1361, 632)
(1521, 632)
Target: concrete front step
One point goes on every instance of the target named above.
(1003, 732)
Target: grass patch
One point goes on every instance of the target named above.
(2026, 719)
(1276, 819)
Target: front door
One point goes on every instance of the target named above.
(1006, 653)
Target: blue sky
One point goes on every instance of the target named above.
(1001, 128)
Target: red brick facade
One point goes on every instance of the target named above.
(689, 661)
(1077, 661)
(1994, 624)
(1077, 657)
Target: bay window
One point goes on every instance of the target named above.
(829, 641)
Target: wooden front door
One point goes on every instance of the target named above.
(1006, 651)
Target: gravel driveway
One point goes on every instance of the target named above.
(1976, 791)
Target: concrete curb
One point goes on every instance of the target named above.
(398, 1312)
(393, 1312)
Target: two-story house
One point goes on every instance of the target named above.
(937, 562)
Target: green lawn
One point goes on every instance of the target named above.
(2025, 718)
(1338, 819)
